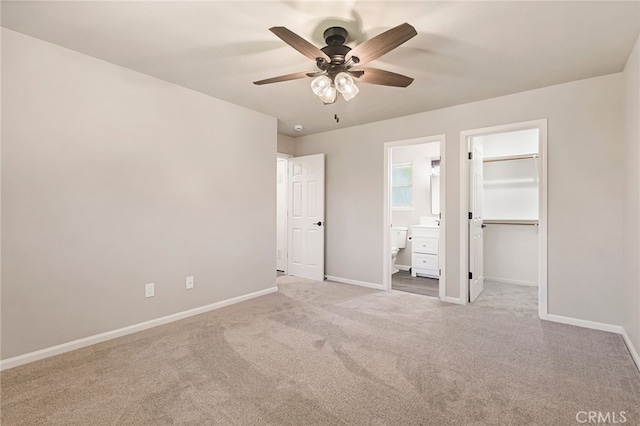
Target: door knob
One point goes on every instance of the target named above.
(484, 226)
(318, 223)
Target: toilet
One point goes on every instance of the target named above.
(398, 241)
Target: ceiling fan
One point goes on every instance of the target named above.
(338, 64)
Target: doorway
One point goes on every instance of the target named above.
(282, 198)
(300, 216)
(503, 223)
(414, 238)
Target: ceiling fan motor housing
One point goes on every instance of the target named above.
(335, 48)
(335, 35)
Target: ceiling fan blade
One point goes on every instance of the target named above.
(356, 73)
(300, 44)
(385, 78)
(285, 77)
(382, 43)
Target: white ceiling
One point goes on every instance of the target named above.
(464, 51)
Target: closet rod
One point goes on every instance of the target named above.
(509, 158)
(510, 222)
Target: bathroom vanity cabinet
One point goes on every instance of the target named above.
(424, 251)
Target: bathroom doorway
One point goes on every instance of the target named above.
(414, 235)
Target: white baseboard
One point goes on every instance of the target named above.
(403, 267)
(455, 300)
(632, 349)
(584, 323)
(102, 337)
(355, 282)
(509, 281)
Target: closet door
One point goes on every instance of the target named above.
(476, 232)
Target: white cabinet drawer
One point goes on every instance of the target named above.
(424, 245)
(420, 232)
(425, 261)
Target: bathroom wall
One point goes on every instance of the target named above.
(420, 157)
(511, 192)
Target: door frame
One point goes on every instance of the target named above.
(286, 157)
(386, 217)
(465, 135)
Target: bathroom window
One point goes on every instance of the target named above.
(402, 186)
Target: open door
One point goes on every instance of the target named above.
(476, 232)
(306, 217)
(282, 200)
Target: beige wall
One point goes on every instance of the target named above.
(631, 290)
(585, 219)
(286, 144)
(112, 179)
(1, 132)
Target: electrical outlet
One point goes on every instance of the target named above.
(189, 282)
(149, 290)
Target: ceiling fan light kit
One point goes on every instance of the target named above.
(326, 89)
(345, 85)
(320, 84)
(336, 61)
(328, 95)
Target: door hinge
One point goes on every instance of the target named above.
(470, 215)
(470, 275)
(439, 215)
(471, 156)
(439, 272)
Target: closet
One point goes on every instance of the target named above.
(510, 210)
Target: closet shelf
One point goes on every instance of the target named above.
(521, 181)
(510, 158)
(509, 222)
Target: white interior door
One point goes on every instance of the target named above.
(476, 233)
(306, 217)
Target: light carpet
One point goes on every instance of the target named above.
(514, 298)
(333, 354)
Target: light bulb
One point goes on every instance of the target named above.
(319, 84)
(345, 85)
(350, 93)
(343, 82)
(328, 96)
